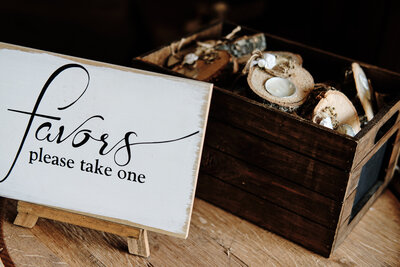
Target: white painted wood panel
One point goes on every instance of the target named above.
(62, 118)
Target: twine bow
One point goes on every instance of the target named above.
(279, 70)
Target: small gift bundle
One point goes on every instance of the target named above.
(278, 79)
(294, 133)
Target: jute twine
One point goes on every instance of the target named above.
(280, 70)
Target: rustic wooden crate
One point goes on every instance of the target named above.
(285, 173)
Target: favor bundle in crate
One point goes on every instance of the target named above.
(298, 141)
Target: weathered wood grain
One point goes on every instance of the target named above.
(23, 247)
(389, 165)
(346, 210)
(267, 249)
(26, 219)
(77, 219)
(284, 129)
(140, 245)
(265, 185)
(79, 246)
(288, 164)
(260, 152)
(346, 223)
(137, 240)
(368, 142)
(216, 238)
(261, 212)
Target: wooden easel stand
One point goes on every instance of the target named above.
(29, 213)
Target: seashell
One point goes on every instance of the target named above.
(364, 83)
(254, 62)
(190, 58)
(270, 60)
(346, 129)
(363, 90)
(280, 87)
(325, 120)
(339, 108)
(261, 63)
(292, 82)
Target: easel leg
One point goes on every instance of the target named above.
(26, 219)
(139, 246)
(28, 214)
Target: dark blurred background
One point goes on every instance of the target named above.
(115, 31)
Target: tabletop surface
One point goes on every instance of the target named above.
(217, 238)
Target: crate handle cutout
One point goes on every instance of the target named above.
(386, 127)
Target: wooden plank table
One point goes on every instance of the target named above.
(216, 238)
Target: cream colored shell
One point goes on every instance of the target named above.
(343, 108)
(301, 78)
(363, 90)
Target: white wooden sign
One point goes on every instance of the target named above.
(98, 139)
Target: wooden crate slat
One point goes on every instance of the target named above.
(284, 129)
(283, 172)
(283, 222)
(346, 225)
(368, 142)
(314, 175)
(389, 170)
(265, 185)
